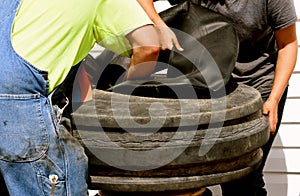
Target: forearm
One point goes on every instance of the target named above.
(149, 8)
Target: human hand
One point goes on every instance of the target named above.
(167, 38)
(269, 109)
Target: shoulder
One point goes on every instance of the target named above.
(281, 13)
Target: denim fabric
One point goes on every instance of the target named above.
(38, 156)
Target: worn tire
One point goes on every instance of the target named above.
(233, 152)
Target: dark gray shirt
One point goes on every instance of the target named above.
(255, 22)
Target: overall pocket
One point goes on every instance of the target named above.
(23, 132)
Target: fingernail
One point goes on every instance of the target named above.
(180, 49)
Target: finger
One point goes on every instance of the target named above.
(273, 123)
(272, 129)
(166, 46)
(177, 45)
(170, 46)
(265, 111)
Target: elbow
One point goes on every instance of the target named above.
(151, 53)
(150, 56)
(143, 62)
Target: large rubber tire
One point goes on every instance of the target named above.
(233, 152)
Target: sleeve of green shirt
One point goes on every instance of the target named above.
(114, 20)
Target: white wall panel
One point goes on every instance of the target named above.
(283, 184)
(291, 112)
(294, 85)
(284, 160)
(288, 136)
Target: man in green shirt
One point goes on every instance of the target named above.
(66, 31)
(40, 42)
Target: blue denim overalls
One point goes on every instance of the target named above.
(37, 155)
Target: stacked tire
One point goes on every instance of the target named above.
(156, 146)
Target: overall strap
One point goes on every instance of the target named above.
(17, 76)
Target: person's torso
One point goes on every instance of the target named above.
(255, 22)
(60, 29)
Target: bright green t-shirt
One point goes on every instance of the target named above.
(55, 35)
